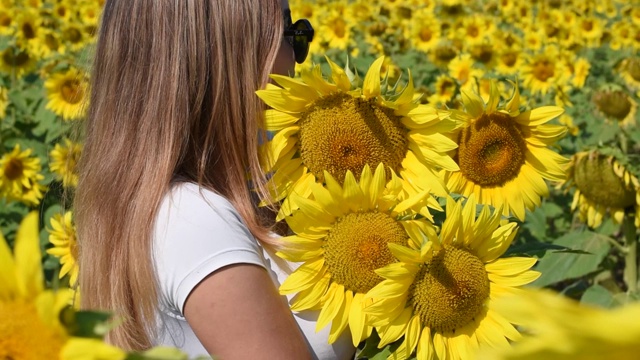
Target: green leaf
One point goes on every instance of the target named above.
(597, 295)
(556, 267)
(90, 324)
(537, 249)
(371, 351)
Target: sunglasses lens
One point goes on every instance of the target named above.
(301, 42)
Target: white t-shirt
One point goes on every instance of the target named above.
(197, 232)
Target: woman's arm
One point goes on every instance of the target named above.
(237, 313)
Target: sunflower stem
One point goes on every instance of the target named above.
(631, 266)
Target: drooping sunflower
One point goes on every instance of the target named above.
(64, 159)
(20, 176)
(503, 153)
(68, 94)
(439, 297)
(331, 126)
(341, 238)
(62, 235)
(629, 70)
(30, 326)
(602, 186)
(616, 106)
(16, 62)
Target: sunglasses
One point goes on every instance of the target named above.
(299, 35)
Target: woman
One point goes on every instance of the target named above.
(170, 237)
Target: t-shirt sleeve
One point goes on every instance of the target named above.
(196, 233)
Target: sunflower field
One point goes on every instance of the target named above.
(460, 178)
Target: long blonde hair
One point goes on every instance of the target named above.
(173, 94)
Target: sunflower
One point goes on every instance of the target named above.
(29, 31)
(509, 62)
(629, 70)
(562, 328)
(20, 176)
(63, 237)
(64, 159)
(590, 29)
(543, 71)
(342, 237)
(503, 154)
(445, 89)
(30, 326)
(68, 94)
(330, 126)
(602, 185)
(463, 69)
(425, 31)
(616, 106)
(336, 30)
(16, 62)
(440, 296)
(580, 70)
(6, 20)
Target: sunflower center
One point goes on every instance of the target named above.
(425, 34)
(339, 28)
(445, 53)
(24, 336)
(28, 31)
(473, 31)
(15, 59)
(340, 133)
(73, 35)
(509, 59)
(633, 67)
(615, 104)
(483, 53)
(596, 180)
(357, 245)
(71, 91)
(491, 151)
(450, 290)
(543, 69)
(13, 169)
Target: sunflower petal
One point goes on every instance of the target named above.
(371, 85)
(28, 259)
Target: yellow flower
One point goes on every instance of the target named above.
(603, 186)
(590, 30)
(629, 70)
(63, 237)
(64, 159)
(543, 71)
(580, 69)
(567, 121)
(68, 94)
(330, 126)
(616, 106)
(341, 238)
(509, 62)
(6, 20)
(336, 30)
(445, 90)
(30, 326)
(440, 296)
(425, 31)
(562, 328)
(20, 176)
(29, 31)
(462, 69)
(503, 154)
(16, 62)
